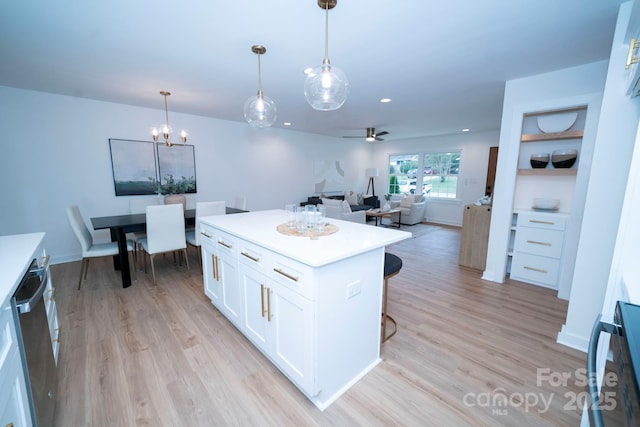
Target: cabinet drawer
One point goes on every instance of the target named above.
(539, 242)
(292, 274)
(254, 256)
(535, 269)
(549, 221)
(226, 243)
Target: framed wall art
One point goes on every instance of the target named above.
(144, 168)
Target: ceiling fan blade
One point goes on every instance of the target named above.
(384, 132)
(379, 139)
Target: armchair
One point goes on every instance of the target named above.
(339, 209)
(413, 209)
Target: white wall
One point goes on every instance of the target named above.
(55, 152)
(577, 86)
(613, 151)
(474, 148)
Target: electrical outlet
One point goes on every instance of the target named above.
(353, 289)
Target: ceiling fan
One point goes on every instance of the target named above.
(371, 135)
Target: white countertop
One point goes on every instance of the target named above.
(259, 227)
(16, 253)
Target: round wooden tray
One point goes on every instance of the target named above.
(329, 229)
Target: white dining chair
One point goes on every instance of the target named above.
(165, 233)
(241, 203)
(203, 209)
(139, 206)
(90, 249)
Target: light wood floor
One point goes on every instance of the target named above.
(163, 355)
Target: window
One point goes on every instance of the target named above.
(441, 174)
(399, 178)
(436, 174)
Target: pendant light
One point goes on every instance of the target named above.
(259, 110)
(326, 87)
(164, 128)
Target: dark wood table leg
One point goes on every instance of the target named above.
(123, 258)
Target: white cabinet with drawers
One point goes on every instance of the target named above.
(538, 247)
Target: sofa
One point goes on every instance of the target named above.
(412, 207)
(340, 209)
(357, 201)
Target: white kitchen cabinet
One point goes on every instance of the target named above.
(220, 270)
(14, 404)
(279, 321)
(538, 247)
(52, 313)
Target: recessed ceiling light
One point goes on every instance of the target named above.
(286, 124)
(465, 130)
(385, 100)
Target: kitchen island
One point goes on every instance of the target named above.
(312, 306)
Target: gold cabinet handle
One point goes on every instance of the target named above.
(287, 275)
(52, 297)
(225, 244)
(57, 330)
(252, 258)
(262, 299)
(535, 242)
(268, 305)
(537, 221)
(44, 261)
(633, 45)
(205, 234)
(539, 270)
(214, 267)
(217, 268)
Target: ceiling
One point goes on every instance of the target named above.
(442, 63)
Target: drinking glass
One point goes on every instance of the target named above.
(310, 214)
(301, 219)
(321, 218)
(290, 215)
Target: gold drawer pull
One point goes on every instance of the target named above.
(539, 270)
(44, 261)
(287, 275)
(254, 259)
(205, 234)
(226, 245)
(539, 243)
(537, 221)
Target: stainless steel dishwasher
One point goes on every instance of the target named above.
(34, 339)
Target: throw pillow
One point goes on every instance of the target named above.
(418, 198)
(351, 198)
(331, 202)
(360, 197)
(406, 202)
(345, 207)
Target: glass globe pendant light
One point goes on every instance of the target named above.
(326, 87)
(259, 110)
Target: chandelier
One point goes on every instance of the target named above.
(164, 128)
(326, 87)
(259, 110)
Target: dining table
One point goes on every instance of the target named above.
(120, 225)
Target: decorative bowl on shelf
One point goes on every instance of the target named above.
(539, 161)
(546, 204)
(564, 158)
(557, 122)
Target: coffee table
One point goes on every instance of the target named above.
(379, 213)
